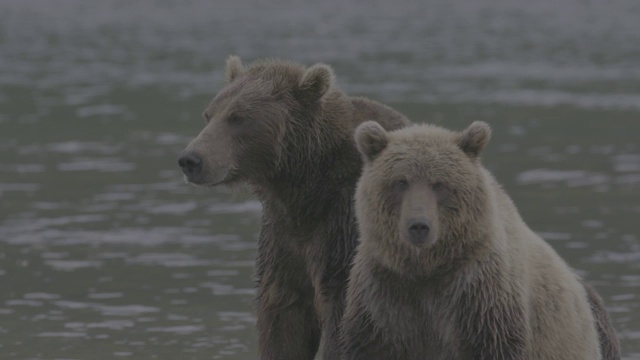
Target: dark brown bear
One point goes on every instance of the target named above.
(287, 131)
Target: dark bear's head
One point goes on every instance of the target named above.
(251, 122)
(422, 189)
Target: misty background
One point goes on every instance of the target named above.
(106, 253)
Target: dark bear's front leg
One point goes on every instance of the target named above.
(331, 326)
(287, 325)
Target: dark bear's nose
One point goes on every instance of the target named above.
(418, 230)
(190, 162)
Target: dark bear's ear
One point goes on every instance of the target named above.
(371, 139)
(474, 138)
(234, 68)
(315, 82)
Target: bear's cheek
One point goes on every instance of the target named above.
(217, 175)
(213, 153)
(260, 148)
(434, 234)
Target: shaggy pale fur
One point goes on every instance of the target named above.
(482, 286)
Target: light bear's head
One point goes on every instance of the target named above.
(423, 190)
(251, 124)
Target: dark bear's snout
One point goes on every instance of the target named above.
(190, 162)
(418, 230)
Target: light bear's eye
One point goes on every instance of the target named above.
(400, 185)
(440, 188)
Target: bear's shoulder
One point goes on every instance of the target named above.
(367, 109)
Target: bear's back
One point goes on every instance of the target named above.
(367, 109)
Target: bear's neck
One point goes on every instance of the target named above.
(325, 187)
(316, 176)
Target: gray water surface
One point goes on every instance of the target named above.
(106, 253)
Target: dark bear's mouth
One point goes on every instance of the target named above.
(230, 178)
(197, 182)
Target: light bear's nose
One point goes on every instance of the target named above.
(190, 162)
(418, 230)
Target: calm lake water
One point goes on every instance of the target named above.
(106, 253)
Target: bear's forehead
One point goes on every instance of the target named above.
(420, 149)
(245, 87)
(276, 76)
(266, 81)
(423, 160)
(243, 94)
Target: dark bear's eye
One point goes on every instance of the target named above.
(234, 119)
(206, 116)
(400, 185)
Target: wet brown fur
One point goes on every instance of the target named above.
(287, 130)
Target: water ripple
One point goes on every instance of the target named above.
(178, 330)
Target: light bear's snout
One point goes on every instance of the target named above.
(418, 230)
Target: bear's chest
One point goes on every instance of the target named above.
(417, 318)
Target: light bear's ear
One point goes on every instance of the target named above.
(316, 82)
(234, 68)
(474, 138)
(371, 139)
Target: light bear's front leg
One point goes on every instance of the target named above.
(493, 323)
(361, 340)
